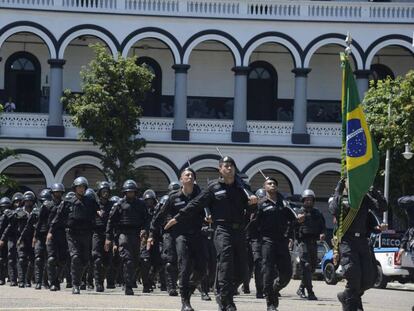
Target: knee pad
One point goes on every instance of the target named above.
(169, 267)
(38, 260)
(51, 261)
(98, 262)
(22, 261)
(76, 260)
(12, 261)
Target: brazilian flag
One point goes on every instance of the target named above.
(360, 152)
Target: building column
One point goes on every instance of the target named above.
(55, 126)
(362, 80)
(180, 131)
(299, 134)
(240, 133)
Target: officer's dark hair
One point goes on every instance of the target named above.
(227, 159)
(272, 179)
(188, 169)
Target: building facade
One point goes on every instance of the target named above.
(259, 79)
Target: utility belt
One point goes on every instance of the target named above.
(78, 230)
(228, 224)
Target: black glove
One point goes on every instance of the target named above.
(340, 186)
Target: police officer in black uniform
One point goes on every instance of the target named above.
(148, 257)
(24, 242)
(169, 251)
(5, 205)
(11, 242)
(39, 237)
(101, 259)
(308, 233)
(187, 236)
(274, 216)
(56, 248)
(78, 215)
(227, 201)
(129, 218)
(355, 255)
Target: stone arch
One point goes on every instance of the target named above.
(288, 172)
(32, 159)
(337, 39)
(165, 37)
(211, 35)
(91, 30)
(317, 170)
(33, 28)
(383, 42)
(65, 167)
(291, 45)
(158, 163)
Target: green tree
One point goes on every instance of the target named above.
(393, 132)
(108, 113)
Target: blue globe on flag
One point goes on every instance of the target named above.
(355, 139)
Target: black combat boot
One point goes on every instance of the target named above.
(348, 303)
(129, 291)
(311, 295)
(99, 288)
(270, 303)
(75, 290)
(38, 286)
(185, 302)
(301, 292)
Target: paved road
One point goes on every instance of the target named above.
(396, 297)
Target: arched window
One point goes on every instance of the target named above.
(380, 72)
(152, 102)
(22, 81)
(261, 91)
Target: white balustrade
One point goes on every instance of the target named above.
(201, 130)
(396, 12)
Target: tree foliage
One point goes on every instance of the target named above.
(107, 110)
(393, 132)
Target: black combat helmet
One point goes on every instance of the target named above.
(149, 194)
(29, 196)
(129, 185)
(69, 195)
(80, 181)
(103, 185)
(18, 196)
(163, 199)
(260, 193)
(57, 187)
(5, 203)
(114, 199)
(91, 194)
(45, 195)
(173, 186)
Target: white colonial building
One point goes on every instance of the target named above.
(259, 78)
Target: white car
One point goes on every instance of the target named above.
(386, 247)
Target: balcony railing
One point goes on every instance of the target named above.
(241, 9)
(31, 125)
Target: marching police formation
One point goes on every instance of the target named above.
(212, 239)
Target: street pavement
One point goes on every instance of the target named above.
(397, 297)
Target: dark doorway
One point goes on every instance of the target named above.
(22, 81)
(261, 91)
(152, 102)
